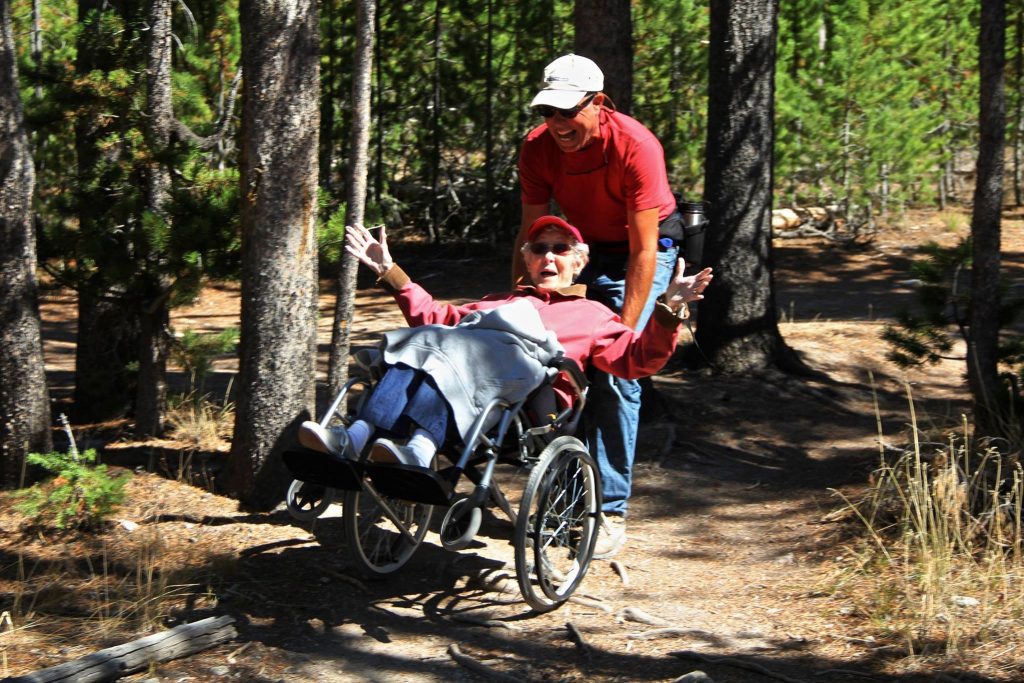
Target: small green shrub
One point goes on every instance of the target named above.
(196, 351)
(81, 494)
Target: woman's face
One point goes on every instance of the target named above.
(550, 270)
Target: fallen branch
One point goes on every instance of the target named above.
(737, 663)
(671, 632)
(620, 569)
(478, 667)
(638, 615)
(483, 621)
(122, 660)
(346, 578)
(590, 602)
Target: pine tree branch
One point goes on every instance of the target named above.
(185, 134)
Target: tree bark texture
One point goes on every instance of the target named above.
(604, 33)
(280, 126)
(738, 320)
(982, 356)
(107, 338)
(355, 211)
(24, 399)
(151, 398)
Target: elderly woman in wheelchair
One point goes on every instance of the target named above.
(500, 378)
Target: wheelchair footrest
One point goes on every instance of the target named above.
(412, 483)
(319, 468)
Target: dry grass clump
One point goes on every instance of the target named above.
(200, 421)
(940, 573)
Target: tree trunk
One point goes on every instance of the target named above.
(490, 214)
(982, 356)
(378, 166)
(107, 340)
(24, 399)
(151, 398)
(738, 321)
(1018, 123)
(328, 102)
(436, 132)
(604, 33)
(280, 126)
(344, 310)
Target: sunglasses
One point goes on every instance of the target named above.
(547, 111)
(558, 248)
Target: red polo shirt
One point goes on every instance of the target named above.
(622, 169)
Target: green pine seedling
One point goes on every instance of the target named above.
(81, 494)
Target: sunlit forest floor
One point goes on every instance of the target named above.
(738, 560)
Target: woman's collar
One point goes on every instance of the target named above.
(571, 290)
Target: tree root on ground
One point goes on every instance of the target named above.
(640, 616)
(577, 638)
(620, 569)
(737, 663)
(479, 667)
(483, 621)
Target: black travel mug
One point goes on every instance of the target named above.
(694, 225)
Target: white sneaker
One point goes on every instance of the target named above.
(334, 441)
(387, 451)
(611, 536)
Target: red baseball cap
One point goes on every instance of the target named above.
(545, 222)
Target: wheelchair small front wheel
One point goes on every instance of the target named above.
(460, 525)
(382, 532)
(556, 527)
(307, 501)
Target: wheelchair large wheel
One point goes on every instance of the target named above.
(556, 527)
(383, 533)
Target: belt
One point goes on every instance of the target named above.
(669, 235)
(664, 244)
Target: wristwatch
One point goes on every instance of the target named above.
(681, 313)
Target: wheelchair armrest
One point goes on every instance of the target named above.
(572, 370)
(567, 366)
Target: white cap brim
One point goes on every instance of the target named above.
(560, 99)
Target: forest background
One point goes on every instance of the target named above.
(876, 115)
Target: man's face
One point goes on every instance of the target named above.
(572, 134)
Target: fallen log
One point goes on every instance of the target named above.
(122, 660)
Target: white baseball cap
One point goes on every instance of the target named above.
(567, 80)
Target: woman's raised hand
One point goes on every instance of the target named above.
(361, 243)
(687, 288)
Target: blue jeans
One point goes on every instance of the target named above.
(405, 398)
(612, 414)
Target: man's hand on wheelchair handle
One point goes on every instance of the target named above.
(373, 253)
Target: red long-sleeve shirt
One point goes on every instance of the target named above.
(590, 332)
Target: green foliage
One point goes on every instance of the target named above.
(874, 101)
(943, 314)
(331, 237)
(196, 351)
(81, 494)
(928, 335)
(671, 87)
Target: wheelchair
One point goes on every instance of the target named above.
(387, 508)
